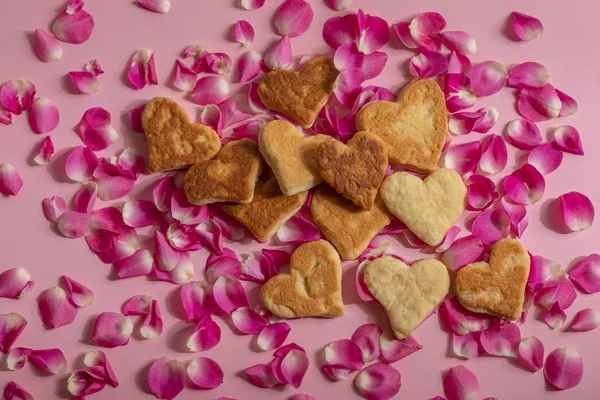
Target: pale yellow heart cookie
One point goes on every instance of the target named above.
(408, 293)
(427, 207)
(313, 288)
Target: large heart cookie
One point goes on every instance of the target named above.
(355, 170)
(268, 210)
(230, 176)
(173, 141)
(428, 207)
(313, 288)
(300, 95)
(414, 128)
(408, 294)
(291, 155)
(497, 287)
(347, 226)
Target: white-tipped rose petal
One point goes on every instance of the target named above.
(218, 63)
(46, 46)
(467, 346)
(205, 373)
(131, 161)
(73, 25)
(491, 226)
(566, 138)
(347, 56)
(523, 134)
(294, 366)
(55, 309)
(487, 78)
(17, 95)
(255, 267)
(531, 353)
(209, 236)
(85, 82)
(137, 305)
(555, 317)
(563, 368)
(53, 207)
(586, 274)
(229, 294)
(378, 381)
(15, 283)
(463, 158)
(52, 361)
(206, 335)
(112, 329)
(501, 339)
(525, 186)
(279, 55)
(248, 66)
(197, 300)
(459, 320)
(157, 6)
(273, 336)
(302, 396)
(248, 321)
(528, 75)
(293, 18)
(78, 294)
(261, 375)
(569, 105)
(98, 364)
(393, 349)
(335, 372)
(347, 86)
(185, 212)
(243, 33)
(298, 230)
(43, 115)
(252, 4)
(11, 326)
(210, 90)
(339, 5)
(460, 384)
(85, 198)
(344, 353)
(166, 378)
(463, 251)
(84, 383)
(545, 158)
(367, 338)
(14, 391)
(10, 180)
(481, 193)
(544, 273)
(564, 293)
(44, 152)
(460, 99)
(113, 181)
(184, 77)
(340, 30)
(142, 70)
(152, 324)
(5, 117)
(96, 130)
(171, 265)
(140, 213)
(526, 27)
(539, 104)
(16, 358)
(428, 64)
(460, 42)
(373, 32)
(585, 320)
(577, 211)
(81, 164)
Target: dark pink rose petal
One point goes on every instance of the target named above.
(294, 366)
(166, 378)
(563, 293)
(273, 336)
(52, 361)
(523, 134)
(279, 55)
(81, 164)
(527, 75)
(293, 18)
(140, 213)
(157, 6)
(86, 197)
(525, 186)
(43, 115)
(467, 346)
(460, 384)
(206, 335)
(463, 158)
(566, 138)
(98, 364)
(10, 180)
(84, 81)
(393, 349)
(205, 373)
(577, 211)
(78, 294)
(261, 376)
(460, 42)
(46, 46)
(171, 265)
(218, 63)
(491, 226)
(55, 309)
(108, 219)
(73, 25)
(344, 353)
(459, 320)
(545, 158)
(112, 329)
(249, 66)
(15, 283)
(463, 251)
(244, 33)
(378, 381)
(563, 368)
(347, 86)
(448, 239)
(585, 320)
(428, 64)
(298, 230)
(142, 71)
(367, 338)
(340, 30)
(481, 192)
(517, 214)
(197, 300)
(96, 130)
(5, 117)
(11, 326)
(209, 235)
(487, 78)
(335, 372)
(137, 305)
(539, 104)
(17, 95)
(248, 321)
(14, 391)
(501, 339)
(16, 358)
(135, 118)
(347, 57)
(526, 27)
(531, 353)
(184, 77)
(586, 274)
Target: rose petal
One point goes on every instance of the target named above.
(15, 283)
(11, 326)
(563, 293)
(566, 138)
(528, 75)
(428, 64)
(171, 265)
(366, 338)
(113, 182)
(5, 117)
(55, 309)
(112, 329)
(340, 30)
(53, 207)
(14, 391)
(52, 361)
(491, 226)
(98, 364)
(157, 6)
(138, 305)
(481, 193)
(569, 105)
(585, 320)
(539, 104)
(294, 366)
(184, 77)
(545, 158)
(109, 219)
(347, 57)
(142, 70)
(135, 118)
(10, 180)
(73, 224)
(293, 18)
(210, 90)
(481, 121)
(378, 381)
(526, 27)
(555, 317)
(525, 186)
(16, 358)
(261, 376)
(448, 239)
(249, 66)
(96, 130)
(44, 152)
(517, 214)
(344, 353)
(163, 192)
(251, 4)
(255, 103)
(43, 115)
(523, 134)
(209, 236)
(86, 197)
(73, 25)
(463, 251)
(459, 320)
(460, 99)
(197, 300)
(84, 383)
(166, 378)
(373, 33)
(255, 267)
(17, 95)
(273, 336)
(339, 5)
(487, 78)
(460, 384)
(279, 55)
(78, 294)
(152, 324)
(140, 213)
(544, 273)
(81, 163)
(124, 245)
(336, 372)
(467, 346)
(229, 294)
(463, 158)
(46, 46)
(206, 335)
(248, 321)
(577, 211)
(424, 30)
(218, 63)
(531, 353)
(393, 349)
(501, 339)
(205, 373)
(563, 368)
(85, 82)
(244, 33)
(460, 42)
(298, 230)
(586, 274)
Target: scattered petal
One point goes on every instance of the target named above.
(244, 33)
(43, 115)
(428, 64)
(261, 376)
(55, 309)
(152, 324)
(78, 294)
(586, 274)
(523, 134)
(463, 251)
(135, 118)
(563, 293)
(336, 372)
(517, 215)
(84, 383)
(480, 121)
(14, 391)
(163, 193)
(206, 335)
(378, 381)
(85, 82)
(298, 230)
(218, 63)
(501, 340)
(166, 378)
(347, 57)
(5, 117)
(569, 105)
(210, 90)
(96, 130)
(252, 4)
(17, 95)
(140, 213)
(294, 366)
(209, 236)
(98, 364)
(526, 27)
(531, 353)
(73, 224)
(459, 320)
(279, 55)
(366, 338)
(11, 326)
(248, 321)
(448, 239)
(563, 368)
(339, 5)
(481, 193)
(577, 211)
(487, 78)
(463, 158)
(555, 317)
(249, 66)
(73, 25)
(566, 138)
(16, 358)
(491, 226)
(585, 320)
(539, 104)
(344, 353)
(460, 42)
(44, 152)
(157, 6)
(46, 46)
(10, 180)
(347, 86)
(137, 305)
(15, 283)
(81, 164)
(142, 70)
(528, 75)
(467, 346)
(86, 197)
(113, 182)
(393, 349)
(197, 300)
(52, 361)
(293, 18)
(53, 207)
(112, 329)
(544, 273)
(171, 265)
(525, 186)
(460, 384)
(273, 336)
(545, 158)
(229, 294)
(184, 77)
(205, 373)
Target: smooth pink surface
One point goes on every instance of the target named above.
(27, 239)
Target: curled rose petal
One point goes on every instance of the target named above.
(422, 32)
(273, 336)
(555, 317)
(339, 5)
(526, 27)
(152, 324)
(142, 70)
(347, 86)
(531, 353)
(184, 77)
(16, 358)
(112, 329)
(344, 353)
(135, 118)
(218, 63)
(11, 326)
(585, 320)
(166, 378)
(157, 6)
(448, 239)
(243, 33)
(98, 364)
(463, 158)
(205, 373)
(378, 381)
(544, 273)
(113, 182)
(171, 265)
(523, 134)
(96, 130)
(460, 384)
(46, 46)
(52, 361)
(491, 226)
(43, 115)
(563, 368)
(73, 25)
(459, 320)
(577, 211)
(539, 104)
(366, 338)
(463, 251)
(53, 207)
(528, 75)
(393, 349)
(293, 18)
(140, 213)
(14, 391)
(210, 90)
(261, 375)
(81, 164)
(249, 66)
(525, 186)
(481, 192)
(197, 300)
(85, 82)
(226, 264)
(211, 116)
(545, 158)
(371, 65)
(248, 321)
(209, 236)
(298, 230)
(501, 340)
(44, 152)
(460, 42)
(229, 294)
(586, 274)
(569, 105)
(15, 283)
(487, 78)
(566, 138)
(206, 335)
(55, 309)
(17, 95)
(294, 366)
(84, 383)
(78, 294)
(517, 214)
(467, 346)
(279, 55)
(137, 305)
(563, 293)
(428, 64)
(480, 121)
(10, 180)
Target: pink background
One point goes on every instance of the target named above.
(28, 240)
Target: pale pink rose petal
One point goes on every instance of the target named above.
(142, 70)
(344, 353)
(366, 338)
(166, 378)
(157, 6)
(44, 152)
(96, 130)
(17, 95)
(491, 226)
(15, 283)
(563, 368)
(138, 305)
(140, 213)
(539, 104)
(261, 375)
(340, 30)
(525, 185)
(16, 358)
(78, 294)
(526, 27)
(545, 158)
(5, 117)
(481, 192)
(463, 251)
(197, 300)
(501, 339)
(243, 33)
(339, 5)
(428, 64)
(249, 66)
(113, 183)
(298, 230)
(563, 293)
(555, 317)
(11, 326)
(55, 309)
(523, 134)
(467, 346)
(218, 63)
(347, 86)
(152, 324)
(83, 383)
(112, 329)
(73, 25)
(393, 349)
(566, 138)
(53, 207)
(206, 335)
(463, 158)
(184, 77)
(586, 274)
(85, 82)
(14, 391)
(98, 364)
(528, 75)
(229, 294)
(517, 214)
(135, 118)
(81, 163)
(459, 320)
(46, 46)
(448, 239)
(378, 381)
(371, 65)
(209, 236)
(210, 90)
(373, 33)
(248, 321)
(487, 78)
(544, 273)
(73, 224)
(52, 361)
(43, 115)
(460, 42)
(163, 192)
(279, 55)
(293, 18)
(273, 336)
(252, 4)
(171, 265)
(577, 211)
(294, 366)
(10, 180)
(585, 320)
(205, 373)
(86, 197)
(460, 384)
(569, 105)
(531, 353)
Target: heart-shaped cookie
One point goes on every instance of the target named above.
(427, 207)
(230, 176)
(497, 287)
(173, 141)
(268, 210)
(291, 155)
(414, 128)
(300, 95)
(408, 294)
(354, 170)
(313, 288)
(347, 226)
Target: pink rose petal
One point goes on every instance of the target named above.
(249, 66)
(209, 236)
(44, 152)
(157, 6)
(293, 18)
(480, 121)
(53, 207)
(112, 329)
(463, 158)
(113, 181)
(205, 373)
(528, 75)
(501, 339)
(460, 42)
(544, 273)
(211, 116)
(459, 320)
(140, 213)
(11, 326)
(347, 57)
(340, 30)
(185, 212)
(17, 95)
(78, 294)
(467, 346)
(152, 324)
(463, 251)
(43, 115)
(339, 5)
(218, 63)
(531, 353)
(85, 82)
(98, 364)
(481, 193)
(255, 103)
(273, 336)
(244, 33)
(197, 300)
(52, 361)
(210, 90)
(81, 163)
(460, 99)
(206, 335)
(142, 71)
(135, 118)
(46, 46)
(83, 383)
(424, 30)
(255, 267)
(14, 391)
(569, 105)
(563, 368)
(347, 86)
(138, 305)
(523, 134)
(460, 384)
(526, 27)
(279, 55)
(563, 293)
(577, 211)
(448, 239)
(555, 317)
(545, 158)
(586, 274)
(184, 77)
(428, 64)
(15, 283)
(261, 376)
(294, 366)
(248, 321)
(229, 294)
(344, 353)
(121, 246)
(366, 338)
(226, 264)
(525, 186)
(335, 372)
(487, 78)
(73, 224)
(10, 180)
(86, 197)
(252, 4)
(166, 378)
(298, 230)
(378, 381)
(517, 214)
(16, 358)
(73, 25)
(96, 130)
(5, 117)
(566, 138)
(491, 226)
(539, 104)
(171, 265)
(55, 309)
(109, 219)
(585, 320)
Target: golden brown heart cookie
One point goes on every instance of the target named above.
(355, 170)
(408, 294)
(300, 95)
(268, 210)
(313, 288)
(428, 207)
(173, 141)
(497, 287)
(291, 155)
(414, 128)
(347, 226)
(230, 176)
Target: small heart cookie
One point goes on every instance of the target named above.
(173, 141)
(268, 210)
(300, 95)
(347, 226)
(355, 170)
(414, 128)
(291, 155)
(230, 176)
(408, 294)
(427, 207)
(497, 287)
(313, 288)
